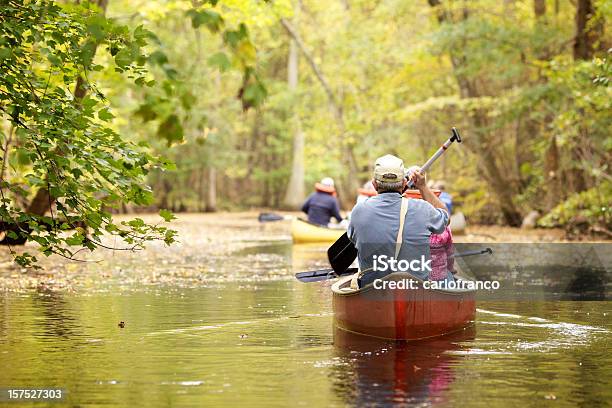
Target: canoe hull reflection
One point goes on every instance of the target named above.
(402, 314)
(304, 232)
(415, 373)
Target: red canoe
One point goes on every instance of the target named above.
(402, 314)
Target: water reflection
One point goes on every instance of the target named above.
(310, 256)
(387, 373)
(542, 271)
(58, 319)
(587, 284)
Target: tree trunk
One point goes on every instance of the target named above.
(5, 150)
(588, 32)
(211, 200)
(295, 189)
(42, 201)
(352, 183)
(202, 190)
(539, 8)
(551, 169)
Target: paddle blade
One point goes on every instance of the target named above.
(341, 254)
(269, 217)
(321, 275)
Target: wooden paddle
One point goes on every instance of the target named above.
(455, 137)
(325, 274)
(342, 253)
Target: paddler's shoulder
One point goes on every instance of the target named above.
(418, 204)
(364, 208)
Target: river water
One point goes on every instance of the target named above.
(219, 321)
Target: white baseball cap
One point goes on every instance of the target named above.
(389, 169)
(327, 182)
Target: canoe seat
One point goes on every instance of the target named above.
(347, 289)
(343, 285)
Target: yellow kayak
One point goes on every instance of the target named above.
(303, 231)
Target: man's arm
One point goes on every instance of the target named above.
(420, 181)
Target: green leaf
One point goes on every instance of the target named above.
(166, 215)
(76, 239)
(170, 237)
(233, 37)
(220, 60)
(167, 164)
(171, 72)
(255, 94)
(136, 223)
(123, 58)
(76, 173)
(88, 102)
(96, 26)
(211, 19)
(158, 57)
(5, 53)
(141, 35)
(56, 192)
(171, 130)
(146, 112)
(23, 156)
(53, 59)
(187, 100)
(105, 115)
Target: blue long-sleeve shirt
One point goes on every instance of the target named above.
(447, 199)
(321, 207)
(375, 224)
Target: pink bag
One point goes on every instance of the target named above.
(441, 248)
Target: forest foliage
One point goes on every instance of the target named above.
(116, 105)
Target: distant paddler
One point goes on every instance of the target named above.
(365, 192)
(457, 220)
(322, 205)
(445, 197)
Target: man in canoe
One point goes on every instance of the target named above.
(322, 205)
(376, 223)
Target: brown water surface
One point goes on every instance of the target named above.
(220, 321)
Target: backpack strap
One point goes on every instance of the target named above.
(398, 244)
(356, 276)
(400, 233)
